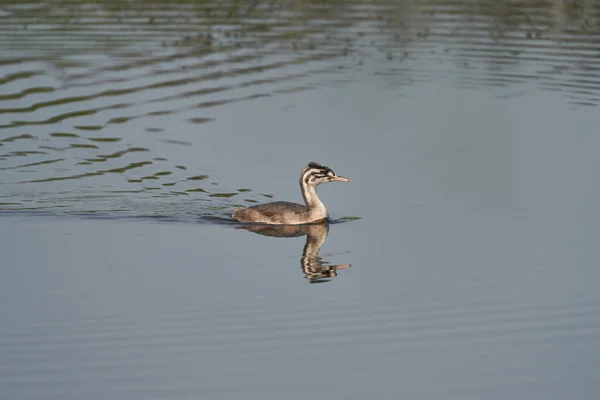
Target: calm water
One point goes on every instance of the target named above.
(463, 262)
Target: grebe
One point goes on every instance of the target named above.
(286, 213)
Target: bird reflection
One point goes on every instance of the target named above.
(315, 269)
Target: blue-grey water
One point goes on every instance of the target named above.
(463, 258)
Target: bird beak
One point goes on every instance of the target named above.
(341, 179)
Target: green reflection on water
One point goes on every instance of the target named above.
(19, 137)
(197, 178)
(108, 139)
(128, 167)
(123, 152)
(226, 195)
(25, 92)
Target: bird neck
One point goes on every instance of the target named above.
(314, 205)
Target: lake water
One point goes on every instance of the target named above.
(462, 260)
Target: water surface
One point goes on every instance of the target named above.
(467, 262)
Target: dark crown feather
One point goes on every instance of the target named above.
(317, 166)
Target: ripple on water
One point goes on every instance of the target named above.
(65, 108)
(262, 333)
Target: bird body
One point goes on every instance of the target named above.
(286, 213)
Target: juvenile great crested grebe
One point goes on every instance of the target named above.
(286, 213)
